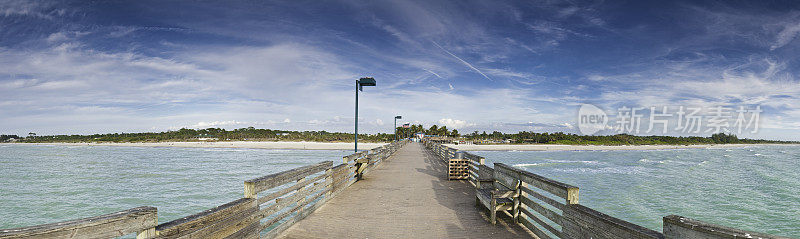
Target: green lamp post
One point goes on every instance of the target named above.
(395, 127)
(360, 83)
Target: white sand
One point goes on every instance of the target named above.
(237, 144)
(548, 147)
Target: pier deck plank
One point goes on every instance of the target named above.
(407, 196)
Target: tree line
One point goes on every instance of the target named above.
(219, 134)
(253, 134)
(525, 137)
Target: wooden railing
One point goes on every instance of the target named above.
(140, 220)
(461, 165)
(474, 162)
(270, 205)
(551, 209)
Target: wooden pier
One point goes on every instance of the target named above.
(408, 196)
(406, 190)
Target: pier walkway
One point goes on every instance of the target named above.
(408, 194)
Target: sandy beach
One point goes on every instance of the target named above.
(548, 147)
(236, 144)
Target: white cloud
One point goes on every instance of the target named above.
(786, 35)
(216, 124)
(29, 8)
(454, 123)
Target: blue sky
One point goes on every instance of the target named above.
(135, 66)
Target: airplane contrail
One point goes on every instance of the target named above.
(463, 61)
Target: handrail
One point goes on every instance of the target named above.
(138, 220)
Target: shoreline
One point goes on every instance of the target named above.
(229, 144)
(348, 146)
(562, 147)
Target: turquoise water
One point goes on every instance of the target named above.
(753, 188)
(44, 184)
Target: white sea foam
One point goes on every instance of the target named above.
(605, 170)
(522, 165)
(650, 161)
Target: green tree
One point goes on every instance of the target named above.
(433, 130)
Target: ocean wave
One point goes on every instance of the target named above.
(606, 170)
(651, 161)
(522, 165)
(225, 150)
(556, 161)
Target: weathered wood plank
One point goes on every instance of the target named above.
(342, 177)
(549, 185)
(536, 231)
(683, 227)
(579, 218)
(248, 232)
(224, 227)
(549, 214)
(273, 180)
(110, 225)
(298, 185)
(286, 213)
(338, 168)
(200, 220)
(354, 156)
(300, 215)
(485, 172)
(284, 202)
(572, 195)
(545, 199)
(541, 222)
(509, 179)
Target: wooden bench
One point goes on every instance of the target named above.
(498, 193)
(485, 177)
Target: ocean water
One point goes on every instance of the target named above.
(45, 184)
(753, 188)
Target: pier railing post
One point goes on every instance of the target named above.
(147, 234)
(329, 183)
(572, 196)
(249, 190)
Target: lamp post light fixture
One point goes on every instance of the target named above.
(395, 127)
(365, 81)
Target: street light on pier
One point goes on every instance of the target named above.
(360, 83)
(395, 126)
